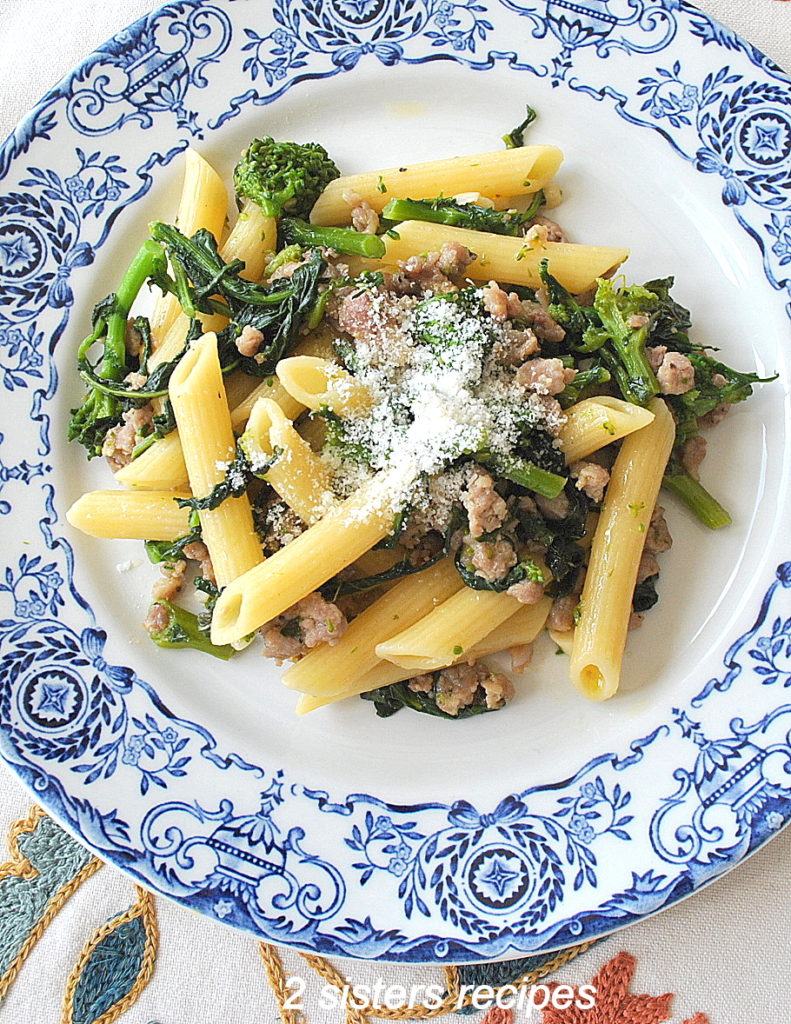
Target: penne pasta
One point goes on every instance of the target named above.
(328, 670)
(594, 423)
(253, 238)
(203, 204)
(204, 422)
(298, 475)
(498, 175)
(130, 515)
(503, 258)
(320, 384)
(309, 560)
(606, 602)
(520, 628)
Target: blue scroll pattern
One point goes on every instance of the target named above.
(436, 880)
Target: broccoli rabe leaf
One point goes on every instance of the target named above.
(525, 571)
(516, 137)
(463, 215)
(645, 595)
(389, 699)
(183, 629)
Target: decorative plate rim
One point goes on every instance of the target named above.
(457, 884)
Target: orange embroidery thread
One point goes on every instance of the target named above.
(497, 1015)
(615, 1004)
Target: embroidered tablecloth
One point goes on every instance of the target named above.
(79, 942)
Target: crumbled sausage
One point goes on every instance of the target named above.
(552, 232)
(364, 217)
(657, 538)
(693, 452)
(561, 614)
(637, 320)
(521, 656)
(655, 354)
(515, 347)
(198, 552)
(421, 684)
(133, 339)
(249, 341)
(500, 304)
(491, 559)
(676, 374)
(456, 687)
(135, 380)
(486, 510)
(170, 582)
(635, 620)
(157, 618)
(498, 689)
(121, 440)
(717, 414)
(554, 508)
(591, 478)
(648, 567)
(545, 376)
(318, 621)
(545, 326)
(439, 271)
(527, 592)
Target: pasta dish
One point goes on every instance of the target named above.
(394, 422)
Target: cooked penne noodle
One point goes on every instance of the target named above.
(160, 467)
(298, 474)
(564, 638)
(594, 423)
(520, 628)
(606, 602)
(309, 560)
(130, 515)
(203, 204)
(449, 631)
(321, 384)
(328, 670)
(253, 237)
(503, 258)
(499, 175)
(204, 422)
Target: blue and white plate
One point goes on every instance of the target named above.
(412, 839)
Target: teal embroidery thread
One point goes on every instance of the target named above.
(46, 867)
(114, 967)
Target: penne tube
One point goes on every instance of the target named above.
(504, 258)
(328, 670)
(563, 638)
(594, 423)
(449, 631)
(298, 474)
(253, 237)
(203, 204)
(321, 384)
(520, 628)
(299, 568)
(204, 422)
(497, 175)
(130, 515)
(606, 601)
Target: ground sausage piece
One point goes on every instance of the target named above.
(198, 552)
(500, 304)
(320, 621)
(486, 510)
(657, 538)
(648, 567)
(421, 684)
(498, 688)
(515, 347)
(364, 218)
(655, 354)
(278, 646)
(635, 620)
(249, 341)
(553, 231)
(135, 380)
(456, 688)
(554, 508)
(717, 414)
(121, 440)
(561, 614)
(438, 271)
(157, 618)
(693, 452)
(170, 582)
(133, 339)
(492, 560)
(527, 592)
(591, 478)
(637, 320)
(544, 325)
(545, 376)
(676, 374)
(521, 656)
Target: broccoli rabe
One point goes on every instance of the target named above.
(283, 178)
(100, 409)
(516, 137)
(183, 629)
(344, 240)
(463, 215)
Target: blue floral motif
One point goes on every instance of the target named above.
(430, 881)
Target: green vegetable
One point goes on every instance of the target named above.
(335, 588)
(623, 348)
(100, 410)
(170, 550)
(695, 496)
(183, 630)
(345, 240)
(283, 177)
(463, 215)
(524, 571)
(516, 137)
(645, 595)
(389, 699)
(525, 473)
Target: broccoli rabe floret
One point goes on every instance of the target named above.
(283, 177)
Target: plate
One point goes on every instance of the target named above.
(411, 840)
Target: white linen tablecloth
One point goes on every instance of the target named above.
(724, 952)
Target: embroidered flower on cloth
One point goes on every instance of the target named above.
(497, 1015)
(615, 1004)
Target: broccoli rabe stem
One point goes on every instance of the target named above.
(344, 240)
(526, 474)
(695, 496)
(183, 630)
(633, 372)
(462, 215)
